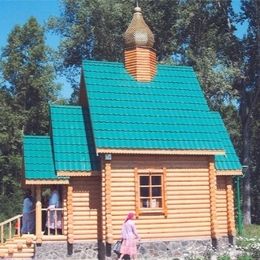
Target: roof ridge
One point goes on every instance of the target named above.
(65, 106)
(121, 63)
(102, 61)
(37, 136)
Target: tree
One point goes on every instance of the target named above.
(206, 41)
(10, 158)
(27, 84)
(94, 29)
(197, 33)
(255, 184)
(249, 88)
(29, 76)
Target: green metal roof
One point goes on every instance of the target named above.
(229, 161)
(73, 147)
(170, 112)
(38, 159)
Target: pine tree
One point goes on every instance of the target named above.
(26, 87)
(29, 75)
(249, 98)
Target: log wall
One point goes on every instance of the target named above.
(225, 206)
(86, 201)
(100, 203)
(187, 190)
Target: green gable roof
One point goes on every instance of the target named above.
(38, 159)
(170, 112)
(72, 145)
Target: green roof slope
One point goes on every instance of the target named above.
(38, 159)
(229, 161)
(170, 112)
(71, 137)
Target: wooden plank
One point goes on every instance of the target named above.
(181, 191)
(189, 206)
(80, 199)
(230, 207)
(117, 182)
(188, 197)
(85, 237)
(213, 186)
(187, 188)
(191, 201)
(108, 224)
(142, 223)
(38, 213)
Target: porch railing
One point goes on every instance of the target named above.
(10, 228)
(54, 224)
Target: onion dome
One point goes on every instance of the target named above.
(138, 34)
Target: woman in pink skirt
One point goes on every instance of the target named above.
(129, 237)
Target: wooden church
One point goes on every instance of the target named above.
(142, 139)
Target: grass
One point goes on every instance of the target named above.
(249, 243)
(251, 231)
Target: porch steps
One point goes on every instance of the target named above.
(53, 238)
(18, 248)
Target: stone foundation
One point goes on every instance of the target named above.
(170, 249)
(61, 250)
(147, 250)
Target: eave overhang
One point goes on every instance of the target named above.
(77, 173)
(159, 152)
(45, 182)
(229, 172)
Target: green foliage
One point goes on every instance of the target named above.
(249, 246)
(27, 87)
(29, 76)
(10, 139)
(245, 257)
(252, 231)
(249, 91)
(197, 33)
(224, 257)
(249, 243)
(11, 204)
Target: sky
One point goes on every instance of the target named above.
(13, 12)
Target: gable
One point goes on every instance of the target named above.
(73, 147)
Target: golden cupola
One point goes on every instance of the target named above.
(139, 55)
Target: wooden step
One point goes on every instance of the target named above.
(20, 256)
(15, 243)
(24, 249)
(52, 238)
(26, 252)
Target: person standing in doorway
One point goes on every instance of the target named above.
(28, 214)
(129, 238)
(54, 219)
